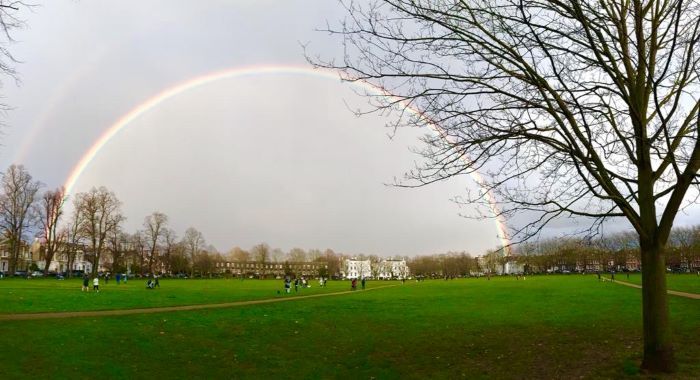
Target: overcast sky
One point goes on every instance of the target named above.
(277, 158)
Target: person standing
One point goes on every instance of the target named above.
(86, 283)
(96, 284)
(287, 285)
(125, 278)
(353, 284)
(296, 285)
(157, 282)
(363, 283)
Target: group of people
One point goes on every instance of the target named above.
(322, 281)
(353, 284)
(95, 284)
(301, 281)
(153, 282)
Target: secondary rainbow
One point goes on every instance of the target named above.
(238, 72)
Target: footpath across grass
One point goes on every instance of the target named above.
(687, 282)
(567, 327)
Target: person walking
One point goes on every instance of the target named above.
(353, 284)
(96, 284)
(363, 283)
(125, 278)
(296, 285)
(287, 285)
(157, 281)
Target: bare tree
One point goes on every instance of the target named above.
(333, 261)
(261, 254)
(73, 240)
(154, 226)
(178, 261)
(582, 108)
(138, 244)
(169, 241)
(119, 248)
(314, 254)
(239, 254)
(9, 21)
(49, 210)
(193, 242)
(277, 255)
(18, 195)
(297, 255)
(100, 215)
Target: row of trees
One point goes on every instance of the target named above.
(95, 228)
(618, 251)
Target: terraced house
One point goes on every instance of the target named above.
(270, 269)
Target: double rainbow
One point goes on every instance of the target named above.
(240, 72)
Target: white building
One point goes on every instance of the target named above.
(357, 269)
(495, 264)
(392, 269)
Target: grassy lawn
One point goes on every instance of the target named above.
(680, 282)
(48, 295)
(545, 327)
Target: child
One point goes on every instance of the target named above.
(96, 284)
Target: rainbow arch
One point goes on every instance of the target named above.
(237, 72)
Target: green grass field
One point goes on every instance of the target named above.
(50, 295)
(544, 327)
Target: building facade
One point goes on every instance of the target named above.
(353, 268)
(258, 269)
(392, 269)
(23, 261)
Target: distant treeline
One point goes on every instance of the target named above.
(619, 252)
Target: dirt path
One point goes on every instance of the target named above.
(104, 313)
(673, 292)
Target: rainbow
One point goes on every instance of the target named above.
(249, 71)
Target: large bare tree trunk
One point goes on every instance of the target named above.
(658, 350)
